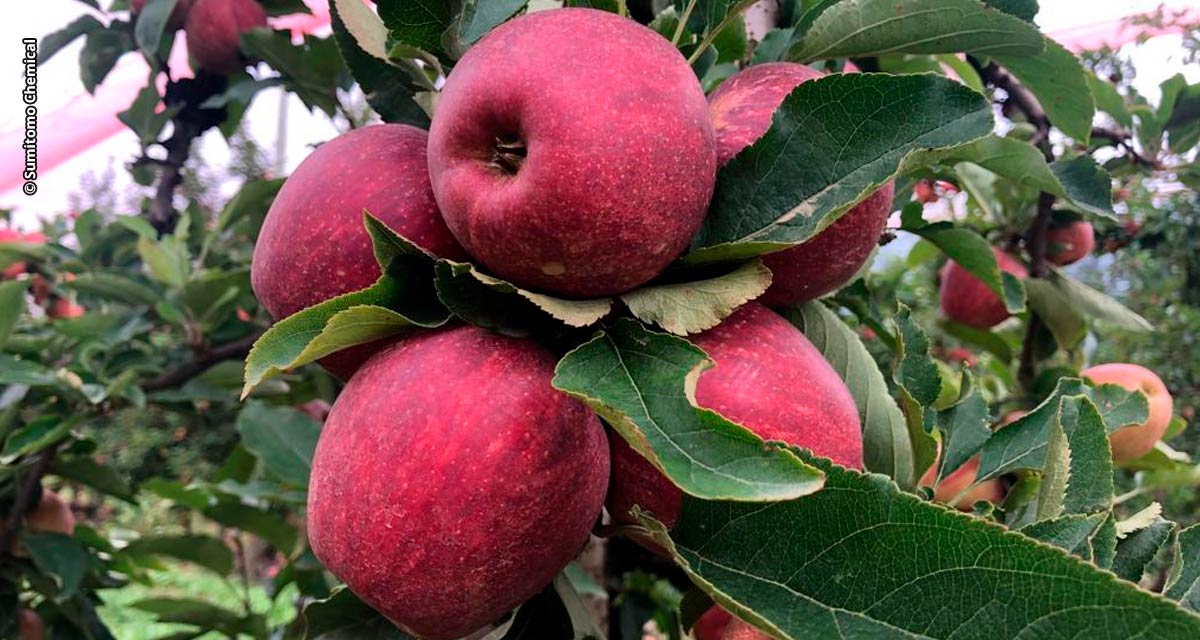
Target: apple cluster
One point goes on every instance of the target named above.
(573, 152)
(55, 303)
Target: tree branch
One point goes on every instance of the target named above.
(202, 362)
(1123, 139)
(25, 497)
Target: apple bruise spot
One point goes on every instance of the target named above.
(553, 268)
(508, 154)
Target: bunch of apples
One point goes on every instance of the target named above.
(573, 152)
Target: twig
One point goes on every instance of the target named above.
(1123, 139)
(683, 18)
(1022, 99)
(162, 209)
(202, 362)
(25, 497)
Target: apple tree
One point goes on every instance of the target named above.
(769, 306)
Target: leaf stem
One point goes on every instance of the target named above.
(623, 8)
(683, 19)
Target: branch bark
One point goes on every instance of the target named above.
(202, 362)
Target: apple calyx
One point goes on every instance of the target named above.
(509, 154)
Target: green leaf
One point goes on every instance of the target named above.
(988, 341)
(861, 559)
(481, 16)
(1080, 180)
(39, 433)
(973, 253)
(886, 445)
(857, 28)
(365, 26)
(1022, 444)
(114, 286)
(1023, 9)
(103, 478)
(312, 69)
(264, 524)
(418, 23)
(691, 307)
(1109, 100)
(643, 384)
(54, 42)
(143, 116)
(100, 53)
(492, 303)
(1093, 303)
(60, 556)
(252, 201)
(205, 551)
(282, 438)
(915, 370)
(1058, 81)
(388, 89)
(964, 428)
(1087, 184)
(192, 497)
(165, 260)
(770, 196)
(1138, 549)
(193, 612)
(12, 307)
(1184, 583)
(1090, 484)
(402, 298)
(342, 616)
(1064, 321)
(151, 24)
(1075, 533)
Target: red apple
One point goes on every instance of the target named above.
(52, 515)
(741, 109)
(967, 300)
(63, 309)
(177, 17)
(1129, 443)
(1069, 243)
(313, 246)
(30, 625)
(572, 153)
(770, 379)
(214, 31)
(451, 482)
(924, 193)
(741, 630)
(12, 235)
(712, 624)
(961, 478)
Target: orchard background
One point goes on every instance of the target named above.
(155, 470)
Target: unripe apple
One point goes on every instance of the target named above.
(313, 245)
(52, 515)
(178, 14)
(961, 478)
(711, 624)
(451, 482)
(571, 152)
(768, 378)
(1130, 443)
(214, 32)
(741, 109)
(30, 625)
(741, 630)
(965, 299)
(1069, 243)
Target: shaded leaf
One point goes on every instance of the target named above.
(1058, 81)
(58, 555)
(282, 438)
(205, 551)
(886, 445)
(12, 307)
(1074, 532)
(52, 43)
(1184, 583)
(493, 303)
(102, 478)
(1138, 549)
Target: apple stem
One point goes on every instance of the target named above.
(683, 18)
(509, 155)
